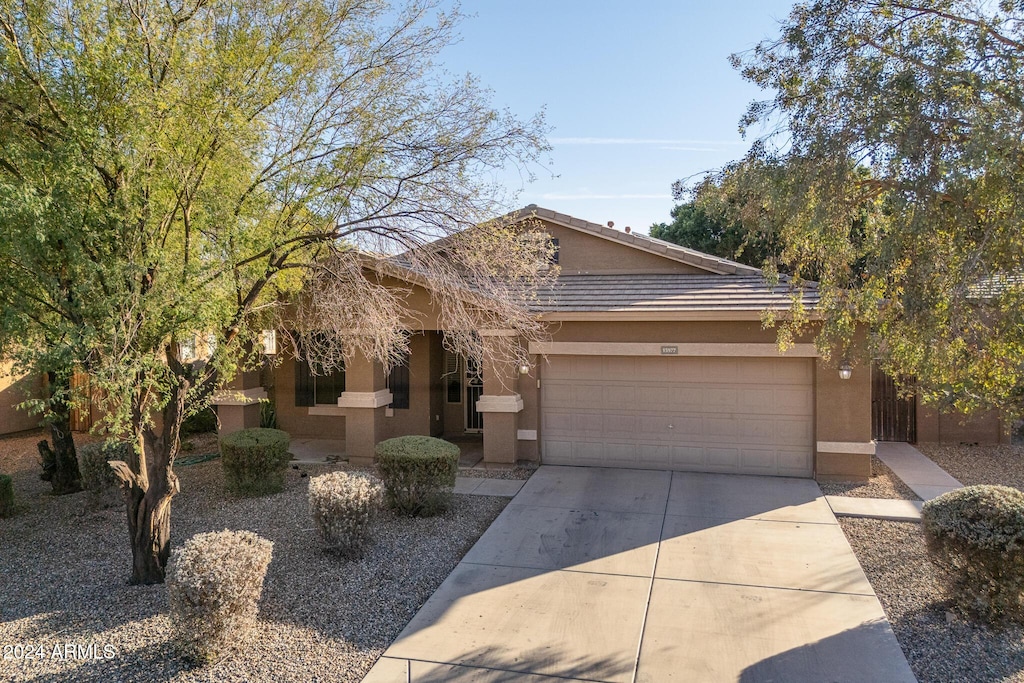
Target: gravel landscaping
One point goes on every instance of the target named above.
(940, 644)
(882, 484)
(64, 568)
(981, 464)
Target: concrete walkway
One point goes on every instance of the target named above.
(637, 576)
(917, 471)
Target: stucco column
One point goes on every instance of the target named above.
(364, 400)
(238, 404)
(843, 423)
(501, 405)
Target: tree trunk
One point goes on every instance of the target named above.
(149, 484)
(60, 463)
(149, 526)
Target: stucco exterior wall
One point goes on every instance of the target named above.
(296, 420)
(953, 427)
(417, 418)
(14, 390)
(582, 253)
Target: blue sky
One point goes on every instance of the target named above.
(639, 94)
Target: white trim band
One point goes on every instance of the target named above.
(365, 399)
(853, 447)
(239, 397)
(500, 404)
(332, 411)
(753, 350)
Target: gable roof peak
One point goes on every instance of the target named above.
(698, 259)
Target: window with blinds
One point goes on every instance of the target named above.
(398, 384)
(452, 377)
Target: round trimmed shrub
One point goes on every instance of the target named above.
(214, 582)
(97, 476)
(343, 506)
(418, 473)
(255, 460)
(7, 506)
(975, 537)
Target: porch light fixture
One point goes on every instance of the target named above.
(524, 369)
(269, 342)
(845, 370)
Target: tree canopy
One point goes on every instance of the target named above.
(173, 170)
(695, 227)
(892, 171)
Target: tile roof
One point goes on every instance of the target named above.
(659, 293)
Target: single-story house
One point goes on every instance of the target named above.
(657, 358)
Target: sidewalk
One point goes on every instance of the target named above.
(915, 469)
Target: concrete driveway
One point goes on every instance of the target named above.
(620, 575)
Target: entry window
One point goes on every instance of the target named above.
(398, 384)
(322, 388)
(554, 251)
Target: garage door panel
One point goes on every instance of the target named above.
(557, 423)
(687, 457)
(624, 395)
(558, 394)
(744, 415)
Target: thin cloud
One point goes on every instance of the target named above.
(674, 148)
(639, 141)
(591, 196)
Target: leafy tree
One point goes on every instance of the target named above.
(172, 174)
(893, 174)
(695, 227)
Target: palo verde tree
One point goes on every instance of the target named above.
(893, 173)
(197, 163)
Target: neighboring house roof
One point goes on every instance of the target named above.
(698, 259)
(654, 295)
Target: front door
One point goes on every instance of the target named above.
(474, 389)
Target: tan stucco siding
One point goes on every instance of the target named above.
(952, 427)
(296, 420)
(664, 332)
(14, 390)
(582, 253)
(417, 419)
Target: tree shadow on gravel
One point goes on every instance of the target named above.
(157, 662)
(958, 648)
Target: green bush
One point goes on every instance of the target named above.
(7, 507)
(97, 476)
(255, 460)
(975, 537)
(200, 423)
(268, 415)
(418, 473)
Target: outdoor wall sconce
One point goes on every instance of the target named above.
(524, 369)
(269, 342)
(845, 370)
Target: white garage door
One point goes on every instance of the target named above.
(739, 415)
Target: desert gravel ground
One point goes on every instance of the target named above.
(940, 644)
(882, 484)
(981, 464)
(63, 571)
